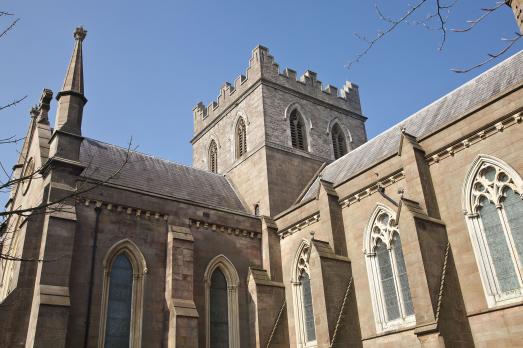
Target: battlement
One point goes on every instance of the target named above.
(262, 66)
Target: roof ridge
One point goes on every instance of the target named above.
(504, 62)
(155, 157)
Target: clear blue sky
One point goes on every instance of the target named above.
(148, 63)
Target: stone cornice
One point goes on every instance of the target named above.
(474, 138)
(117, 208)
(231, 230)
(370, 189)
(298, 226)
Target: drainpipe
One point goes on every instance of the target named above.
(98, 210)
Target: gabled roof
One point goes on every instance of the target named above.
(157, 176)
(428, 120)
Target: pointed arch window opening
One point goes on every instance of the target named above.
(241, 138)
(303, 299)
(221, 304)
(213, 157)
(495, 221)
(392, 300)
(339, 144)
(219, 310)
(298, 132)
(122, 296)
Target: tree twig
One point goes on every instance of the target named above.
(491, 56)
(13, 103)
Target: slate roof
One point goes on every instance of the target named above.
(150, 174)
(428, 120)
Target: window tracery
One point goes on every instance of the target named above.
(303, 299)
(494, 210)
(213, 157)
(392, 301)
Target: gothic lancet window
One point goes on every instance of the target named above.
(241, 138)
(339, 144)
(219, 311)
(494, 212)
(122, 296)
(302, 293)
(392, 302)
(118, 324)
(298, 133)
(213, 157)
(222, 313)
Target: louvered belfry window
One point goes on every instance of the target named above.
(298, 135)
(241, 138)
(338, 142)
(213, 157)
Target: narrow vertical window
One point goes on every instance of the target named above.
(494, 207)
(219, 311)
(387, 272)
(339, 144)
(241, 138)
(118, 322)
(298, 134)
(122, 296)
(303, 299)
(222, 312)
(213, 157)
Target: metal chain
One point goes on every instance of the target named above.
(442, 283)
(276, 323)
(340, 315)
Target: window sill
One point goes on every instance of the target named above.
(495, 308)
(410, 327)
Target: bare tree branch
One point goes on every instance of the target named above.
(491, 56)
(486, 11)
(393, 25)
(13, 103)
(10, 27)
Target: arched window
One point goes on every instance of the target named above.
(391, 298)
(241, 138)
(219, 310)
(222, 314)
(339, 144)
(213, 157)
(302, 295)
(494, 213)
(298, 132)
(122, 296)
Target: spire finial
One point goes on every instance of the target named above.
(80, 33)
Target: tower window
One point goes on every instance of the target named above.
(298, 134)
(241, 138)
(339, 144)
(213, 157)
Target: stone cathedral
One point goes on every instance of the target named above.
(290, 229)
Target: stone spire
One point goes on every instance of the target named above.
(71, 99)
(74, 79)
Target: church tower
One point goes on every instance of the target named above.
(270, 132)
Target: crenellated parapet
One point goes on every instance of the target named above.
(263, 69)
